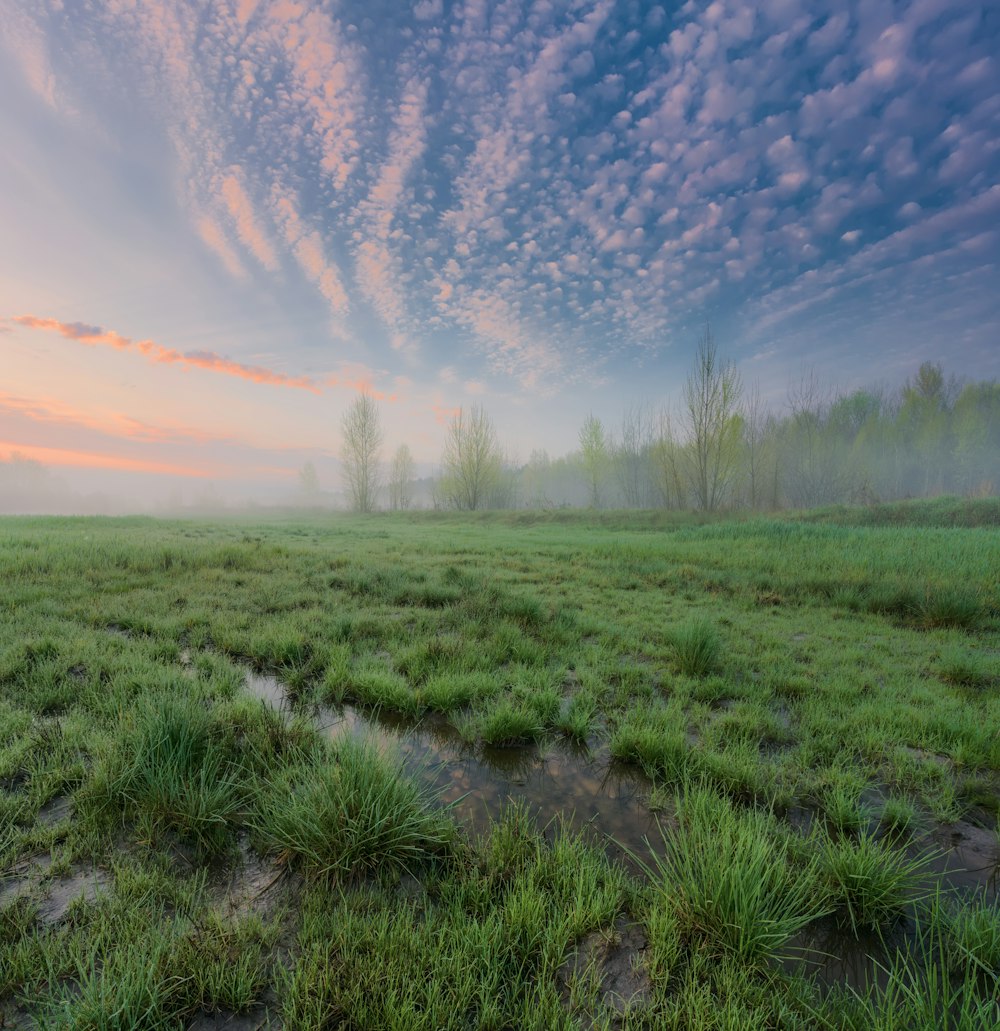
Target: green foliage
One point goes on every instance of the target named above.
(868, 881)
(727, 876)
(168, 767)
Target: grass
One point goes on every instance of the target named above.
(696, 647)
(792, 688)
(350, 814)
(728, 878)
(867, 881)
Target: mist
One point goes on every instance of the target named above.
(932, 435)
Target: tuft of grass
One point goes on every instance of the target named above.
(696, 647)
(959, 666)
(899, 814)
(727, 877)
(169, 768)
(868, 882)
(576, 718)
(448, 691)
(950, 608)
(656, 738)
(509, 723)
(353, 813)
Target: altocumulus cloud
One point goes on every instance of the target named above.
(539, 191)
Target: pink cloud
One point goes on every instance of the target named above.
(95, 335)
(245, 220)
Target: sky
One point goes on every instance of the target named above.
(221, 221)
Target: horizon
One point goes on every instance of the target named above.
(220, 226)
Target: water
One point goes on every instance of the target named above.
(588, 791)
(583, 789)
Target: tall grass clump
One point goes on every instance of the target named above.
(727, 875)
(168, 767)
(351, 813)
(696, 646)
(868, 882)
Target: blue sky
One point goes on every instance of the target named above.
(222, 220)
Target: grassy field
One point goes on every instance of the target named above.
(807, 707)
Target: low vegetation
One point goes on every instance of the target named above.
(806, 707)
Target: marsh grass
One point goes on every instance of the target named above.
(350, 814)
(728, 878)
(867, 881)
(697, 647)
(854, 658)
(168, 767)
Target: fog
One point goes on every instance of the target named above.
(718, 448)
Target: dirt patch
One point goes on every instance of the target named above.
(85, 884)
(14, 1017)
(614, 961)
(254, 886)
(55, 897)
(56, 811)
(256, 1020)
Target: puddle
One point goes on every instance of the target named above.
(590, 792)
(587, 790)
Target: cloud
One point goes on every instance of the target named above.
(529, 192)
(70, 457)
(245, 220)
(153, 352)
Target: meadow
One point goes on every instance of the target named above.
(502, 770)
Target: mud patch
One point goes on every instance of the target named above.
(611, 965)
(61, 894)
(56, 811)
(256, 1020)
(254, 886)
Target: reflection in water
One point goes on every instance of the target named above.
(584, 790)
(563, 782)
(588, 791)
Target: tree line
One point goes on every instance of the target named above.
(720, 448)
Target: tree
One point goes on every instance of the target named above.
(309, 484)
(631, 454)
(594, 450)
(711, 399)
(814, 466)
(362, 440)
(757, 431)
(400, 478)
(472, 460)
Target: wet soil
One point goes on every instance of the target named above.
(587, 790)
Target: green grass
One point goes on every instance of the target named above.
(728, 877)
(349, 814)
(793, 686)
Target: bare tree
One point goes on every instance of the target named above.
(471, 460)
(711, 400)
(594, 450)
(666, 464)
(756, 433)
(362, 440)
(631, 456)
(400, 479)
(814, 467)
